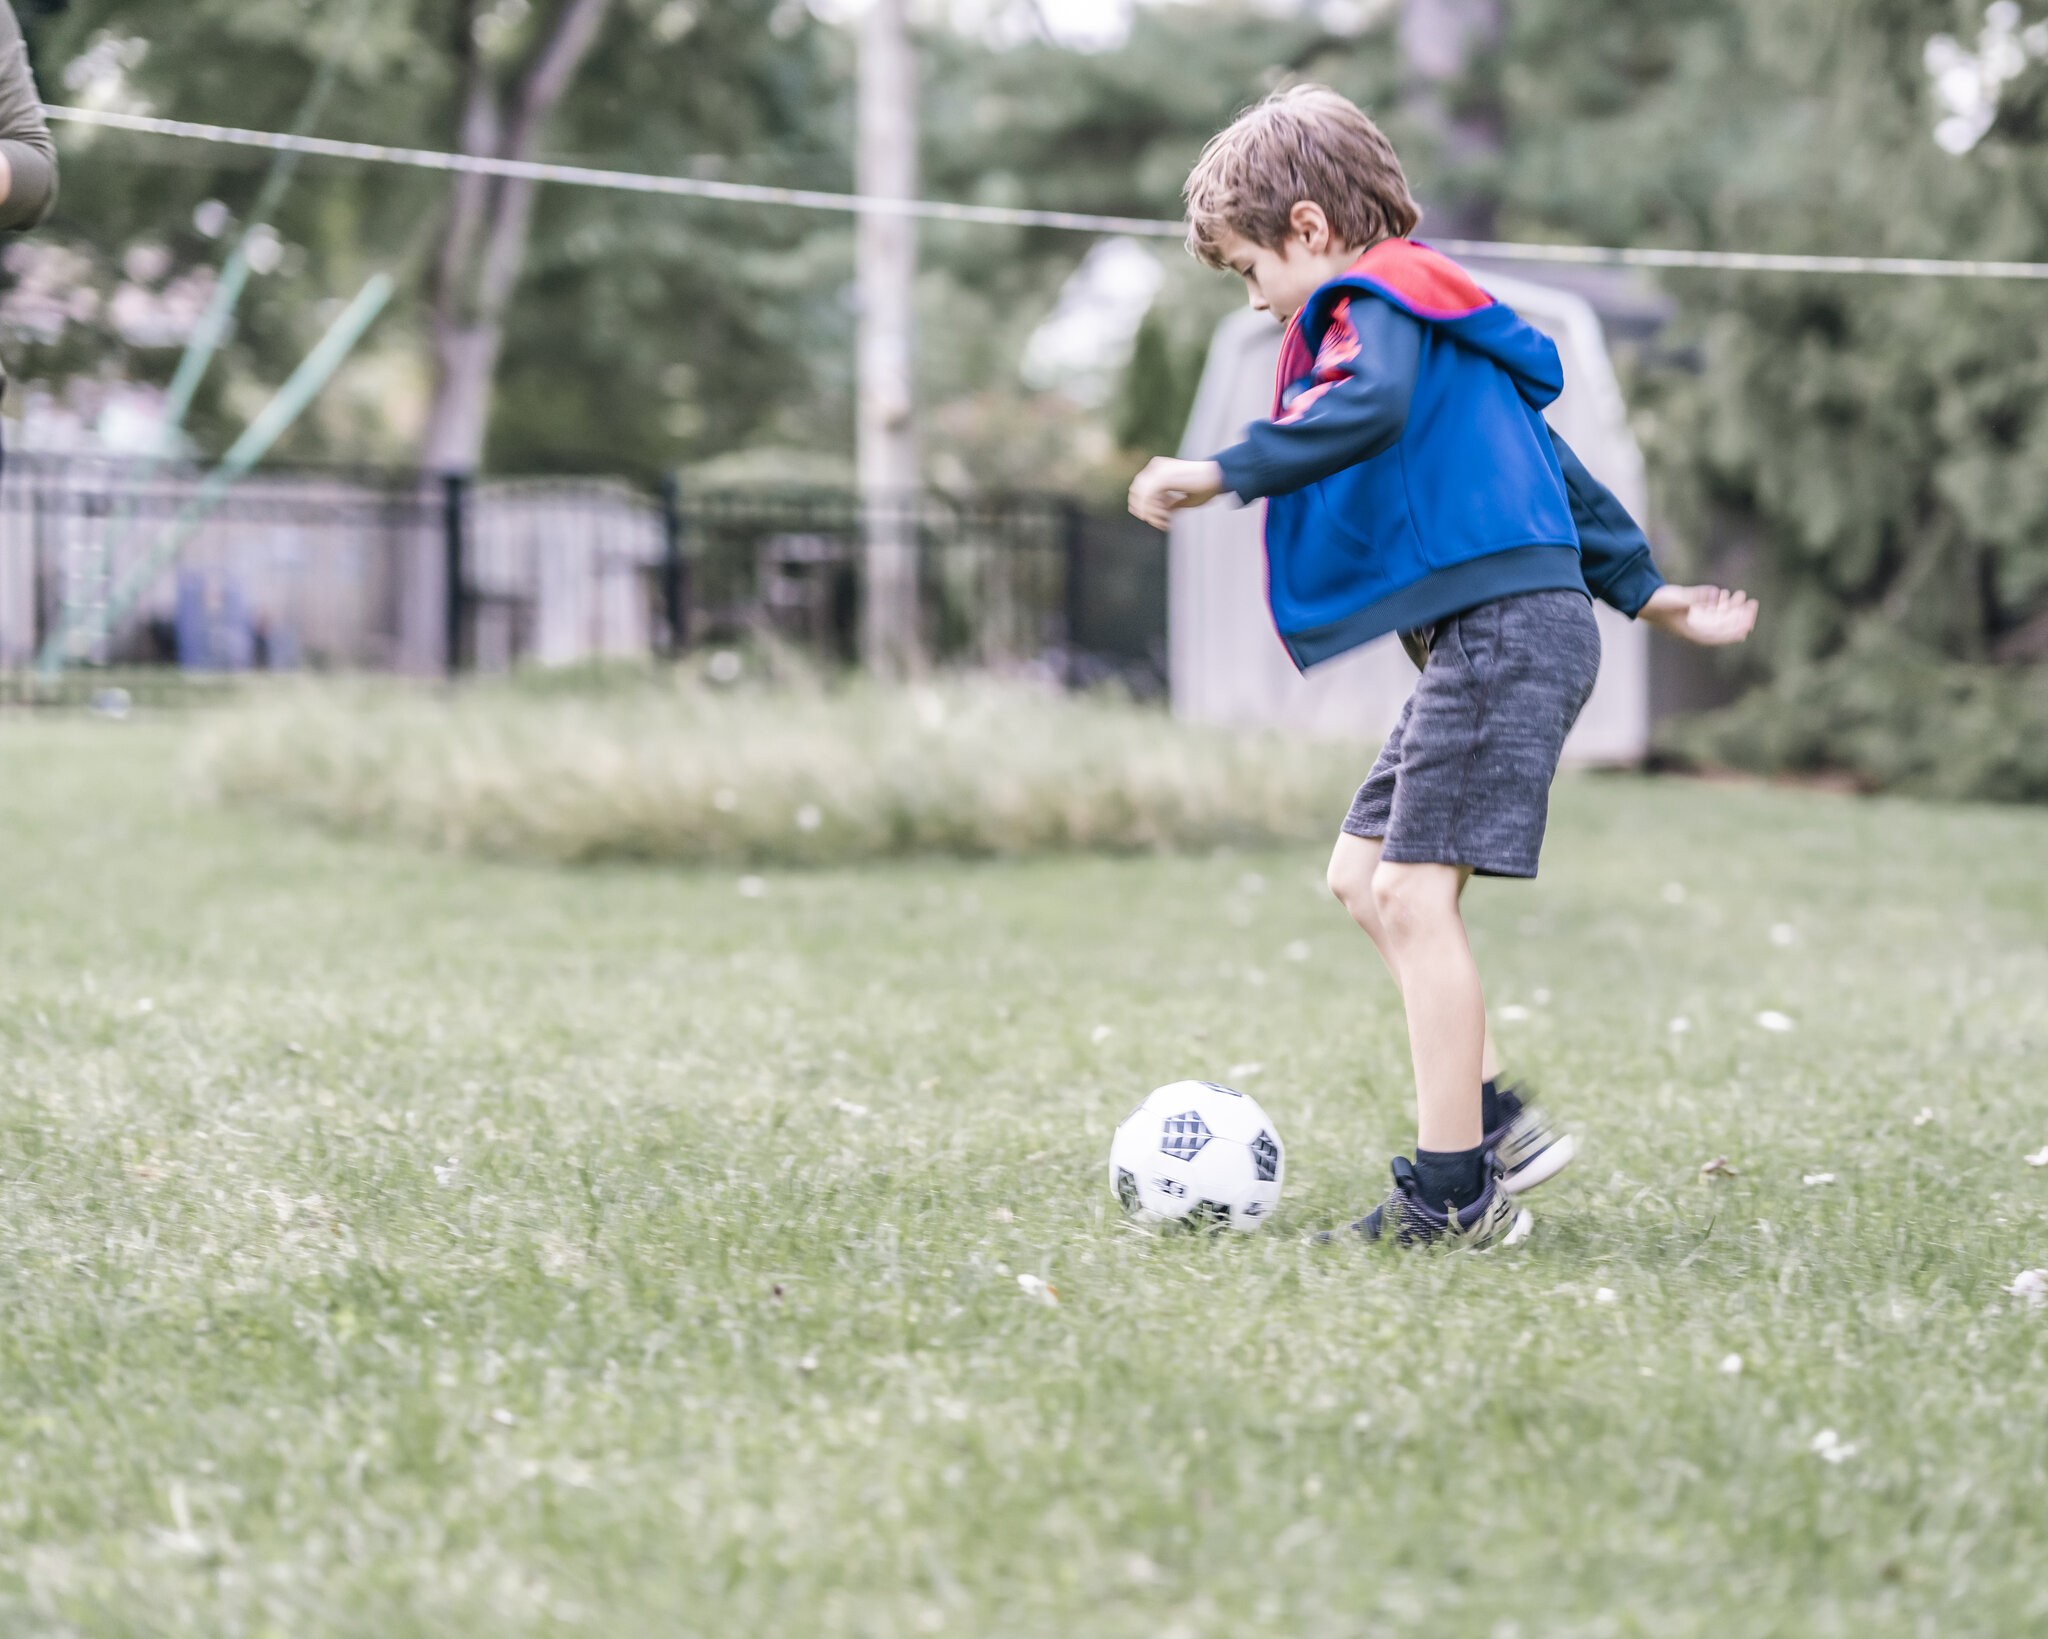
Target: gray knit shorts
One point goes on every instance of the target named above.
(1464, 779)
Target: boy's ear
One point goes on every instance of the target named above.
(1308, 224)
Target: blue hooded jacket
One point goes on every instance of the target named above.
(1408, 470)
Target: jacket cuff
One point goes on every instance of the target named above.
(34, 188)
(1241, 475)
(1633, 586)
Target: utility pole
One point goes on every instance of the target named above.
(1441, 42)
(886, 168)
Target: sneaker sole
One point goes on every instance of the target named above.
(1545, 1165)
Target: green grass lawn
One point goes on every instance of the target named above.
(395, 1245)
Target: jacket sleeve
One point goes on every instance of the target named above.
(1357, 407)
(24, 133)
(1614, 554)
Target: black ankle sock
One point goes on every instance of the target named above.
(1496, 1106)
(1453, 1176)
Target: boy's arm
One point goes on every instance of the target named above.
(1614, 554)
(1361, 410)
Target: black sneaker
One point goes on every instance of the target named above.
(1531, 1148)
(1408, 1220)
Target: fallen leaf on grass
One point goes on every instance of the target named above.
(2030, 1286)
(1043, 1290)
(1719, 1167)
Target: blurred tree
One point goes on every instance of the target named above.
(1874, 450)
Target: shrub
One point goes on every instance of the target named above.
(1893, 717)
(674, 769)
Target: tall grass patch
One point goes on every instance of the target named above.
(794, 773)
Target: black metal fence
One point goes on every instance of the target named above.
(110, 563)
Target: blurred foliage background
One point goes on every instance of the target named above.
(1870, 455)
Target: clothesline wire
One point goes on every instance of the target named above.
(932, 210)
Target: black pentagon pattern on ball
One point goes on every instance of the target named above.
(1218, 1087)
(1266, 1157)
(1127, 1189)
(1208, 1216)
(1183, 1135)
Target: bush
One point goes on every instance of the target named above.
(1894, 718)
(675, 769)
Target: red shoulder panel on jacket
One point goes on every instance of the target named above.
(1426, 280)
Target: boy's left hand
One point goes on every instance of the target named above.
(1710, 616)
(1167, 485)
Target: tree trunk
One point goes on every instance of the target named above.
(483, 252)
(887, 273)
(1441, 42)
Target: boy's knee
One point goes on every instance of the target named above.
(1350, 881)
(1409, 899)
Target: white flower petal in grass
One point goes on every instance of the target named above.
(752, 887)
(1927, 1114)
(503, 1418)
(1830, 1447)
(1513, 1013)
(809, 1363)
(1041, 1291)
(1245, 1071)
(809, 817)
(146, 1005)
(1813, 1179)
(1606, 1294)
(1679, 1026)
(1100, 1034)
(848, 1107)
(445, 1173)
(1674, 893)
(2039, 1158)
(1731, 1365)
(1771, 1019)
(1298, 951)
(2030, 1286)
(1784, 934)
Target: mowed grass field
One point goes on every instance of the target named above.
(396, 1245)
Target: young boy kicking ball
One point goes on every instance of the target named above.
(1413, 486)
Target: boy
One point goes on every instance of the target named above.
(1413, 486)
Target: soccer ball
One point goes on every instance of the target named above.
(1198, 1154)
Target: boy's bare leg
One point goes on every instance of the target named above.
(1425, 944)
(1352, 865)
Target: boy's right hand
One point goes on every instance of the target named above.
(1709, 616)
(1167, 485)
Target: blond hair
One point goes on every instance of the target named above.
(1305, 143)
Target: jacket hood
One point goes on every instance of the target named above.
(1429, 286)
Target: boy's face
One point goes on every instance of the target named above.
(1280, 280)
